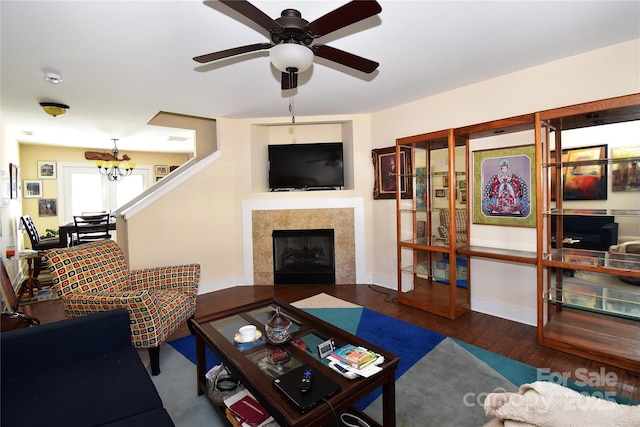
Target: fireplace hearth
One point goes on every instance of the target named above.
(303, 257)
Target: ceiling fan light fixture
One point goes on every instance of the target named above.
(291, 55)
(54, 109)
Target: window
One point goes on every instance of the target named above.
(83, 189)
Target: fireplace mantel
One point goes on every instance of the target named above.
(304, 207)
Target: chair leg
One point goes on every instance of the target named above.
(154, 358)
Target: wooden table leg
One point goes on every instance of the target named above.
(31, 280)
(389, 401)
(201, 365)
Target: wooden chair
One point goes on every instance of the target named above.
(38, 243)
(11, 317)
(92, 227)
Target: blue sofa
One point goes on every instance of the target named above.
(77, 372)
(593, 232)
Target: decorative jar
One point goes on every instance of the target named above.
(277, 328)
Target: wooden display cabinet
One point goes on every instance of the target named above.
(589, 298)
(431, 275)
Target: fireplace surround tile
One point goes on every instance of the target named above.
(340, 219)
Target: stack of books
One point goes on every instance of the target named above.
(354, 356)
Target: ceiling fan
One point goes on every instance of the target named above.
(291, 37)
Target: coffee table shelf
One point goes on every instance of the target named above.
(246, 361)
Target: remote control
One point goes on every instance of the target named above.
(305, 381)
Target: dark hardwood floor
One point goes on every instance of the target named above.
(505, 337)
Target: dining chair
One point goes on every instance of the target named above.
(92, 227)
(39, 243)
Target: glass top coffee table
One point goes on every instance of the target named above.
(253, 363)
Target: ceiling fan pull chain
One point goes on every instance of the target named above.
(291, 105)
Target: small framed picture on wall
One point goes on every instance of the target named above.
(46, 170)
(32, 188)
(47, 207)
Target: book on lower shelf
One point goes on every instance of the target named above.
(247, 411)
(358, 357)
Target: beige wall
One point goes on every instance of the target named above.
(30, 154)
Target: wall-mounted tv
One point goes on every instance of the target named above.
(306, 166)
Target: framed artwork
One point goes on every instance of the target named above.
(440, 192)
(158, 178)
(14, 179)
(625, 175)
(5, 191)
(445, 181)
(161, 169)
(462, 184)
(552, 171)
(422, 230)
(47, 170)
(588, 180)
(386, 172)
(48, 207)
(462, 195)
(421, 188)
(32, 188)
(504, 186)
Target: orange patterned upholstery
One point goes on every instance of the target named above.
(95, 277)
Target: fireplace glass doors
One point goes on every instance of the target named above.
(303, 257)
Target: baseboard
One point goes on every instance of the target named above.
(504, 311)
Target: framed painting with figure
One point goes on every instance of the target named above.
(504, 186)
(585, 176)
(386, 173)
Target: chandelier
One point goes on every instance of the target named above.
(112, 167)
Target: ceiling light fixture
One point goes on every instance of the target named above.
(115, 169)
(54, 109)
(288, 57)
(291, 58)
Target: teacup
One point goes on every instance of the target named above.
(247, 333)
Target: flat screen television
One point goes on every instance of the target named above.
(306, 166)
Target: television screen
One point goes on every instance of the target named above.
(306, 166)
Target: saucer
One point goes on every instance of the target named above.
(237, 338)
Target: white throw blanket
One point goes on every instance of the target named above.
(547, 404)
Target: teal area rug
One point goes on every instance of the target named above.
(439, 379)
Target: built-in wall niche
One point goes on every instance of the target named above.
(262, 135)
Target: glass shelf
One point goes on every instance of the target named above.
(596, 292)
(607, 161)
(620, 263)
(593, 212)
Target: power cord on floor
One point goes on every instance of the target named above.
(352, 419)
(389, 298)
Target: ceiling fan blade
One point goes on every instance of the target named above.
(203, 59)
(345, 58)
(289, 81)
(350, 13)
(256, 15)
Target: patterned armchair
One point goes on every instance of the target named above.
(461, 225)
(95, 277)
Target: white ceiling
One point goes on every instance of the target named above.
(124, 61)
